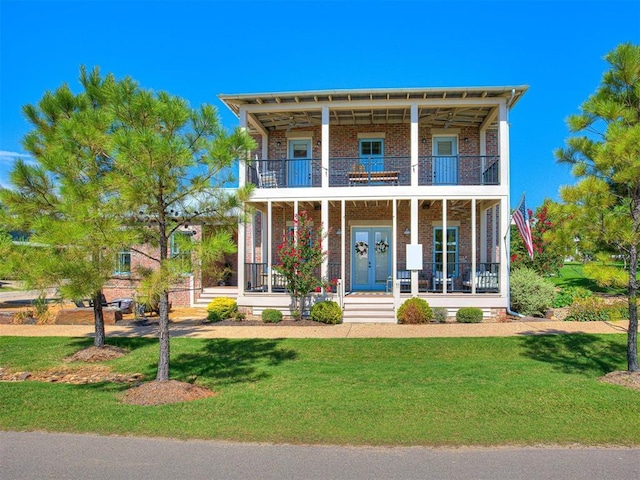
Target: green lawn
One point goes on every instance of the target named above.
(480, 391)
(571, 275)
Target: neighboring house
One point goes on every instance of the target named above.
(412, 186)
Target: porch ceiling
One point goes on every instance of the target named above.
(437, 107)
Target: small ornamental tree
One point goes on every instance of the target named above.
(547, 256)
(300, 259)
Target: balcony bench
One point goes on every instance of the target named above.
(359, 178)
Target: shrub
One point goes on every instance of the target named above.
(271, 315)
(619, 310)
(568, 295)
(440, 314)
(530, 293)
(221, 308)
(590, 309)
(414, 310)
(469, 315)
(326, 312)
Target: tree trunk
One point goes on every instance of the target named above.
(632, 335)
(164, 354)
(98, 321)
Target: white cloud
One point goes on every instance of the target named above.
(7, 158)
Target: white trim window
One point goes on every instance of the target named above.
(180, 251)
(123, 263)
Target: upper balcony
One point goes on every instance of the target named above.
(375, 171)
(418, 137)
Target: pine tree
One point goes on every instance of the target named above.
(603, 208)
(66, 199)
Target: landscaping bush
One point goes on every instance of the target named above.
(221, 308)
(271, 315)
(439, 314)
(414, 310)
(530, 293)
(469, 315)
(590, 309)
(619, 310)
(568, 295)
(326, 312)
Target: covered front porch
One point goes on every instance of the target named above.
(426, 247)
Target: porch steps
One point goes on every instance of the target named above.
(210, 293)
(369, 309)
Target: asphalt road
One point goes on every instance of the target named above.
(36, 455)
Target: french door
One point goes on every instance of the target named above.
(299, 163)
(372, 154)
(371, 258)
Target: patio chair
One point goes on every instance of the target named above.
(266, 178)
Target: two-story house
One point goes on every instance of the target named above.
(412, 186)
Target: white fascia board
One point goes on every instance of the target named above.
(367, 104)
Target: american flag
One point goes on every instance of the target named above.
(521, 218)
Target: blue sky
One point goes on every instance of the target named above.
(198, 49)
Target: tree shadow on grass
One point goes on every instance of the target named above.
(224, 361)
(128, 343)
(590, 355)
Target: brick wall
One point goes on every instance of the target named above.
(143, 256)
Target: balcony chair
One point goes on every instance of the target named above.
(266, 178)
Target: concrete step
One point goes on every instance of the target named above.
(363, 309)
(209, 294)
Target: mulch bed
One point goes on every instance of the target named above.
(164, 392)
(97, 354)
(623, 378)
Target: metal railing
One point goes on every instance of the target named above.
(458, 279)
(459, 170)
(285, 173)
(375, 171)
(256, 277)
(367, 171)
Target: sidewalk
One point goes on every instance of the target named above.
(348, 330)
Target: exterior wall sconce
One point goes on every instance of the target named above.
(338, 232)
(466, 139)
(278, 144)
(424, 140)
(407, 231)
(318, 143)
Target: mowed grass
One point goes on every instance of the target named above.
(572, 275)
(479, 391)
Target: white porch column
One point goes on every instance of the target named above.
(504, 226)
(242, 258)
(414, 148)
(394, 252)
(343, 241)
(295, 217)
(495, 243)
(242, 161)
(503, 129)
(472, 274)
(484, 233)
(324, 269)
(269, 224)
(414, 240)
(325, 146)
(242, 247)
(445, 267)
(265, 147)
